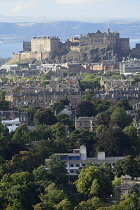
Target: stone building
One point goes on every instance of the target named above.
(45, 44)
(88, 123)
(42, 98)
(135, 52)
(126, 183)
(27, 46)
(42, 47)
(100, 40)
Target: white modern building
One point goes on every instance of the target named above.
(78, 159)
(130, 66)
(13, 119)
(11, 124)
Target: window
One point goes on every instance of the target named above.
(74, 158)
(71, 165)
(64, 157)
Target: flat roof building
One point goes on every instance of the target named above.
(130, 66)
(78, 159)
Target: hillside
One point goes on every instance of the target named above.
(18, 32)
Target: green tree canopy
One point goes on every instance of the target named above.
(91, 182)
(65, 119)
(52, 197)
(85, 109)
(22, 135)
(114, 142)
(25, 161)
(90, 204)
(44, 117)
(129, 165)
(64, 205)
(58, 106)
(4, 105)
(57, 170)
(121, 118)
(123, 103)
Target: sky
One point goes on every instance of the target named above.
(87, 10)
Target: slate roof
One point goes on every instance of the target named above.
(124, 186)
(86, 119)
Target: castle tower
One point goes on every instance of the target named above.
(108, 31)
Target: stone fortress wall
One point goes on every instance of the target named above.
(42, 47)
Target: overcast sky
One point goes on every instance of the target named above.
(71, 9)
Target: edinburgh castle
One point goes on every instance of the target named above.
(44, 47)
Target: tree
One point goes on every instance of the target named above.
(44, 148)
(121, 118)
(52, 197)
(85, 109)
(65, 119)
(20, 187)
(10, 148)
(44, 117)
(22, 178)
(130, 202)
(90, 204)
(88, 95)
(40, 173)
(58, 106)
(59, 137)
(101, 105)
(134, 189)
(2, 96)
(108, 175)
(65, 101)
(64, 205)
(4, 140)
(4, 105)
(22, 135)
(131, 132)
(16, 205)
(25, 161)
(90, 84)
(115, 183)
(58, 131)
(103, 118)
(129, 165)
(57, 171)
(123, 103)
(4, 134)
(114, 142)
(91, 182)
(100, 129)
(79, 138)
(132, 136)
(41, 132)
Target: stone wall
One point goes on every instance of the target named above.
(29, 55)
